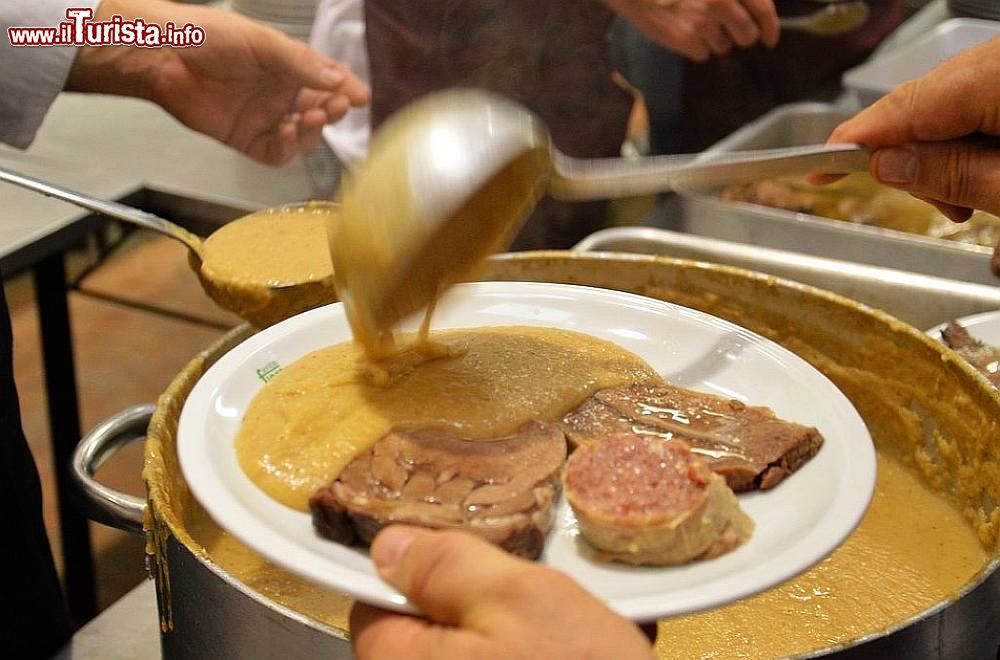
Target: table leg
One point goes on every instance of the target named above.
(64, 425)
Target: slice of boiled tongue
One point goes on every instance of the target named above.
(747, 445)
(503, 489)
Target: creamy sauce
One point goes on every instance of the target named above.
(911, 550)
(320, 412)
(244, 261)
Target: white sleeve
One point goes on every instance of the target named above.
(31, 77)
(339, 32)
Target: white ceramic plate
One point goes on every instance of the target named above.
(985, 327)
(797, 523)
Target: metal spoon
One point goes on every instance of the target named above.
(450, 179)
(830, 21)
(260, 303)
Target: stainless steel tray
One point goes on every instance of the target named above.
(921, 300)
(810, 123)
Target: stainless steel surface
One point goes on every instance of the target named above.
(216, 616)
(104, 504)
(808, 123)
(105, 207)
(921, 300)
(834, 19)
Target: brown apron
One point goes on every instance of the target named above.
(550, 55)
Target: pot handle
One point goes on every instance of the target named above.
(103, 504)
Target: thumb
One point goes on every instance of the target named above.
(447, 574)
(961, 175)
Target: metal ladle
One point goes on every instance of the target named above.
(830, 21)
(260, 303)
(450, 179)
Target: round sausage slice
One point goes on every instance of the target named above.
(641, 499)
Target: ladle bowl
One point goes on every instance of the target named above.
(262, 302)
(832, 20)
(450, 179)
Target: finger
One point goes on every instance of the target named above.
(289, 57)
(377, 634)
(307, 138)
(717, 39)
(276, 147)
(448, 574)
(957, 174)
(824, 179)
(316, 117)
(737, 23)
(765, 16)
(936, 106)
(335, 108)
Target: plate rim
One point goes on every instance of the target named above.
(638, 607)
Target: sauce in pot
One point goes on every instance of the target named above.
(912, 550)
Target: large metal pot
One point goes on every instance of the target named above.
(210, 610)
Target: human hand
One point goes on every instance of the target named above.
(482, 602)
(913, 129)
(248, 86)
(699, 29)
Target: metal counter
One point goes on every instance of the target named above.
(128, 630)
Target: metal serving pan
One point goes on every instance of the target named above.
(810, 123)
(921, 300)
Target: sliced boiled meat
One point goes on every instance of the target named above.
(501, 489)
(985, 358)
(748, 446)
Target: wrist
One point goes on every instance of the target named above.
(120, 70)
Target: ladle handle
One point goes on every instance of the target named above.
(104, 207)
(578, 179)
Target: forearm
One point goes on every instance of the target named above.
(121, 70)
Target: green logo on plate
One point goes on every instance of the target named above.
(269, 371)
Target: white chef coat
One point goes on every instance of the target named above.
(339, 32)
(31, 77)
